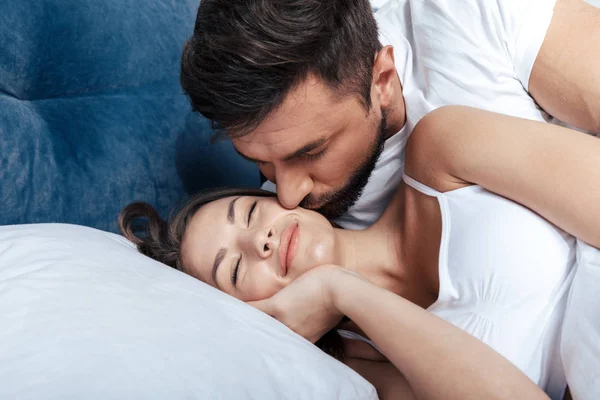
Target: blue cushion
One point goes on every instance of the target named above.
(92, 116)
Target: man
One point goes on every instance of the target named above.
(323, 102)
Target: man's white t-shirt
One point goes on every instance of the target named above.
(477, 53)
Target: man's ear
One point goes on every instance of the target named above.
(384, 76)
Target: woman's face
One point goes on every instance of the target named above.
(251, 247)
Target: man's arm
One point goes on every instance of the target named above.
(552, 170)
(565, 79)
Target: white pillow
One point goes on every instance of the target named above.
(83, 315)
(580, 342)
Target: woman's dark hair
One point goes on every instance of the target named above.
(246, 55)
(161, 240)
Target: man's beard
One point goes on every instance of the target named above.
(337, 203)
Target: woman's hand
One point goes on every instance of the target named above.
(306, 305)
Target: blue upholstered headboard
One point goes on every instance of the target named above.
(92, 116)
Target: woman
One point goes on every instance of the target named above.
(498, 269)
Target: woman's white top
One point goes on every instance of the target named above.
(504, 275)
(580, 342)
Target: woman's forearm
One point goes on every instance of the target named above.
(438, 360)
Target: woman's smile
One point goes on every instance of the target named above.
(253, 247)
(288, 246)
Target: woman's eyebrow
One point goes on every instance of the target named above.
(218, 259)
(231, 211)
(223, 251)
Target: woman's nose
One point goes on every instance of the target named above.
(262, 242)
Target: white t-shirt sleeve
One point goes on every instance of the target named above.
(526, 23)
(269, 186)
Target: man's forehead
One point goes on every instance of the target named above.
(310, 106)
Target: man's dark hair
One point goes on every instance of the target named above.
(246, 55)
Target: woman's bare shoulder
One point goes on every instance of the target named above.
(426, 145)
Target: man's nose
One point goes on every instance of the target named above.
(293, 185)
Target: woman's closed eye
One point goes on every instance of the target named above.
(236, 267)
(234, 272)
(251, 211)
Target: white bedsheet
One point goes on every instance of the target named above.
(580, 345)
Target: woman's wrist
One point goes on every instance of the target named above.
(341, 284)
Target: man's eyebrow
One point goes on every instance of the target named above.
(218, 259)
(252, 160)
(304, 149)
(231, 211)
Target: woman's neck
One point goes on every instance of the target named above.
(377, 253)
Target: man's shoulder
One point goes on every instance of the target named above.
(449, 8)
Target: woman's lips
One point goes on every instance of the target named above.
(288, 246)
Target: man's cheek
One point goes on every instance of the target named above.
(335, 173)
(268, 172)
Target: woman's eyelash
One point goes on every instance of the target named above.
(316, 156)
(251, 211)
(234, 272)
